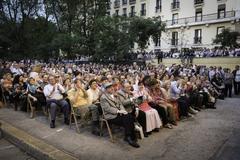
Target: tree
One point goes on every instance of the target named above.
(142, 30)
(227, 38)
(111, 37)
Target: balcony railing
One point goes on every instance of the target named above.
(205, 18)
(132, 14)
(175, 5)
(132, 1)
(174, 42)
(143, 12)
(197, 2)
(174, 21)
(158, 8)
(116, 3)
(197, 40)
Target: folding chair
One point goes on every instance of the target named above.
(3, 96)
(74, 114)
(30, 107)
(102, 121)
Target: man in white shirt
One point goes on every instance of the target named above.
(53, 93)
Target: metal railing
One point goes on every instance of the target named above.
(198, 2)
(132, 1)
(197, 40)
(175, 5)
(205, 18)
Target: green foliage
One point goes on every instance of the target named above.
(227, 38)
(40, 28)
(142, 29)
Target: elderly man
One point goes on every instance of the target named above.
(125, 96)
(53, 92)
(115, 113)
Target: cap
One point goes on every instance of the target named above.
(107, 85)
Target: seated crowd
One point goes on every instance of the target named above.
(152, 96)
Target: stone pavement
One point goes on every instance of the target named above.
(210, 135)
(10, 152)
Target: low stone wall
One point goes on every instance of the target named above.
(225, 62)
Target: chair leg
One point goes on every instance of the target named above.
(32, 114)
(110, 132)
(101, 128)
(76, 123)
(70, 121)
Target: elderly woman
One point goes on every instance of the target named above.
(159, 103)
(171, 102)
(35, 92)
(79, 98)
(153, 120)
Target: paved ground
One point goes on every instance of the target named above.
(10, 152)
(211, 135)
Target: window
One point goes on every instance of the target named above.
(174, 38)
(158, 41)
(132, 13)
(158, 5)
(221, 11)
(125, 12)
(175, 18)
(220, 29)
(175, 4)
(116, 12)
(198, 36)
(143, 9)
(116, 3)
(198, 15)
(124, 2)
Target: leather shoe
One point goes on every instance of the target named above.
(132, 143)
(66, 121)
(52, 124)
(145, 134)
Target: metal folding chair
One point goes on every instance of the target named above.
(102, 121)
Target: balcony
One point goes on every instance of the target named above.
(197, 40)
(132, 2)
(143, 12)
(158, 9)
(205, 19)
(174, 42)
(198, 2)
(174, 21)
(132, 14)
(175, 5)
(116, 3)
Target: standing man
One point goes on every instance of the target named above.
(236, 82)
(53, 92)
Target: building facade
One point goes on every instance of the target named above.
(189, 23)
